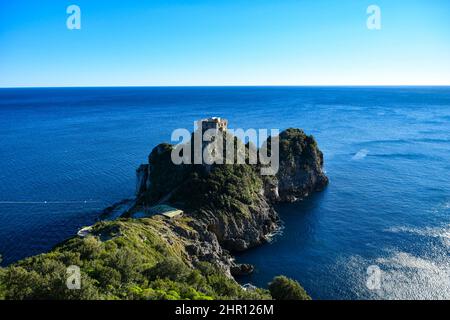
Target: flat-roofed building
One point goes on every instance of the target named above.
(166, 211)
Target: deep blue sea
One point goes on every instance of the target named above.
(65, 154)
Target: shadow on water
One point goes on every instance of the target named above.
(286, 251)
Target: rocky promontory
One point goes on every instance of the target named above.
(232, 205)
(301, 168)
(225, 209)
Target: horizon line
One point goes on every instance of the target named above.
(233, 86)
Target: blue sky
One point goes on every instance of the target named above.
(224, 42)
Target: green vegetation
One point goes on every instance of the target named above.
(2, 286)
(129, 259)
(222, 187)
(226, 189)
(164, 173)
(283, 288)
(125, 259)
(148, 258)
(297, 147)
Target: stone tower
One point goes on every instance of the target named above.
(214, 123)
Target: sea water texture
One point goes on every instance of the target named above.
(66, 154)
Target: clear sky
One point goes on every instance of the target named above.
(224, 42)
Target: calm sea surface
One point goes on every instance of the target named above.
(65, 154)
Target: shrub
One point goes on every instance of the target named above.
(283, 288)
(169, 268)
(124, 265)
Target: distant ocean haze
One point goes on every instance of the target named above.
(67, 153)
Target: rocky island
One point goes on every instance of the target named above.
(186, 253)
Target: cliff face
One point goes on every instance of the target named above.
(234, 202)
(301, 168)
(238, 233)
(142, 179)
(226, 200)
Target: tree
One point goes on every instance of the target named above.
(283, 288)
(2, 286)
(169, 268)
